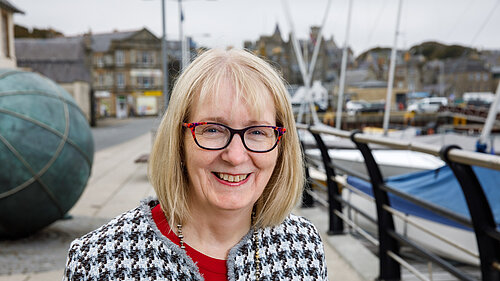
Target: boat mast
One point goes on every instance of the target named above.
(340, 101)
(306, 74)
(488, 125)
(298, 54)
(392, 67)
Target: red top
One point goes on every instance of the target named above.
(212, 269)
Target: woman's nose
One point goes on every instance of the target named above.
(235, 153)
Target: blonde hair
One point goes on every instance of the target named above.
(248, 74)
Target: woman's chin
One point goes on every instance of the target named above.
(233, 204)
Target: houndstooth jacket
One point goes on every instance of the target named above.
(130, 247)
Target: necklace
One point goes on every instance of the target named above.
(181, 237)
(256, 244)
(257, 247)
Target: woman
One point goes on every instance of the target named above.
(227, 169)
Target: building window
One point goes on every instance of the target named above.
(119, 58)
(106, 60)
(99, 61)
(145, 82)
(120, 80)
(478, 77)
(485, 77)
(100, 80)
(5, 35)
(145, 57)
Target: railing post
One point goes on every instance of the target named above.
(307, 199)
(336, 225)
(480, 213)
(389, 268)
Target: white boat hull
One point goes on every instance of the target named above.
(391, 162)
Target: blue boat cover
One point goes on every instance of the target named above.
(439, 187)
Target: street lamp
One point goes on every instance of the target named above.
(164, 57)
(185, 52)
(184, 61)
(184, 58)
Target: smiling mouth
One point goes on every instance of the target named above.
(231, 178)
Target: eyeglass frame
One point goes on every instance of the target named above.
(241, 132)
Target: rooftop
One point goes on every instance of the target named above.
(60, 59)
(5, 4)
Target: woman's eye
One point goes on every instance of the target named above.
(258, 132)
(212, 130)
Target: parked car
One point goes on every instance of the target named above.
(427, 105)
(361, 106)
(483, 99)
(374, 107)
(354, 106)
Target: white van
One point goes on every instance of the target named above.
(427, 105)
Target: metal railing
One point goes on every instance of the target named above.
(389, 241)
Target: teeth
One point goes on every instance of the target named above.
(231, 178)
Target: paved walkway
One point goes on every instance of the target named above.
(116, 185)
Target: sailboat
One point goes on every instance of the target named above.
(393, 162)
(318, 93)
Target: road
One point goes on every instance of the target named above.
(111, 131)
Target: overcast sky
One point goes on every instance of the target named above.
(223, 23)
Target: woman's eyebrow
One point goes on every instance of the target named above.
(258, 122)
(223, 120)
(216, 119)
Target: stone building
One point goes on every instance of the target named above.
(492, 59)
(64, 60)
(406, 72)
(282, 54)
(122, 70)
(495, 77)
(376, 91)
(274, 49)
(7, 50)
(368, 81)
(465, 75)
(329, 57)
(126, 73)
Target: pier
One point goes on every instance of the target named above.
(450, 117)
